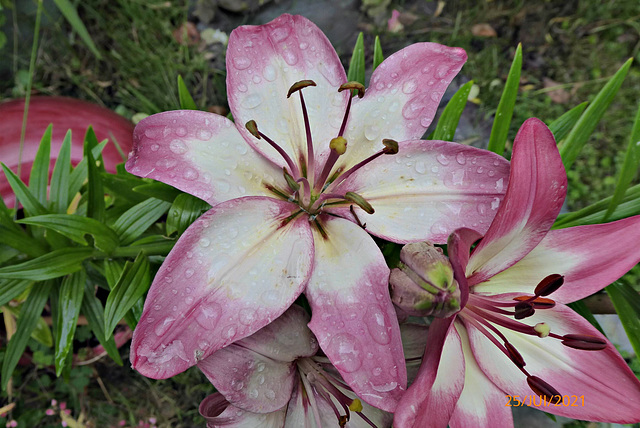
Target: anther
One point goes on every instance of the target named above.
(360, 201)
(542, 329)
(353, 85)
(300, 85)
(390, 146)
(252, 127)
(339, 144)
(549, 284)
(356, 405)
(537, 302)
(584, 342)
(515, 355)
(523, 310)
(544, 390)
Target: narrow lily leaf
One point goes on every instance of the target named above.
(76, 228)
(7, 253)
(135, 221)
(79, 173)
(122, 186)
(29, 316)
(68, 10)
(584, 311)
(184, 211)
(158, 190)
(356, 66)
(562, 125)
(69, 303)
(502, 121)
(583, 129)
(112, 272)
(93, 310)
(24, 195)
(133, 283)
(626, 301)
(151, 245)
(186, 101)
(95, 192)
(448, 122)
(60, 179)
(6, 216)
(52, 265)
(39, 178)
(10, 288)
(378, 57)
(22, 242)
(629, 167)
(41, 333)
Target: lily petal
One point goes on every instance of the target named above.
(352, 314)
(414, 340)
(431, 399)
(459, 247)
(427, 190)
(536, 191)
(257, 373)
(590, 258)
(610, 389)
(262, 64)
(237, 268)
(202, 154)
(219, 413)
(481, 404)
(402, 98)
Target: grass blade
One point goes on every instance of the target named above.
(135, 221)
(60, 179)
(39, 177)
(69, 303)
(502, 121)
(356, 66)
(378, 57)
(23, 194)
(580, 133)
(94, 312)
(51, 265)
(562, 125)
(448, 122)
(95, 191)
(186, 100)
(71, 14)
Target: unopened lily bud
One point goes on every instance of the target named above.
(423, 282)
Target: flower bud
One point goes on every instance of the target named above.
(423, 282)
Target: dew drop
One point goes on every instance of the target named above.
(247, 316)
(203, 134)
(239, 386)
(348, 352)
(189, 300)
(189, 273)
(231, 332)
(207, 315)
(242, 87)
(190, 174)
(181, 131)
(442, 159)
(409, 86)
(163, 326)
(480, 170)
(270, 394)
(421, 168)
(280, 33)
(378, 325)
(204, 242)
(435, 96)
(241, 62)
(442, 70)
(178, 147)
(377, 371)
(252, 101)
(269, 73)
(253, 393)
(304, 45)
(290, 57)
(499, 185)
(461, 159)
(154, 147)
(482, 208)
(495, 204)
(257, 79)
(166, 163)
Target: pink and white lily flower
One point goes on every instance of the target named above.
(514, 335)
(292, 183)
(274, 378)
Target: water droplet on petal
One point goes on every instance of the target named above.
(154, 147)
(442, 159)
(421, 168)
(270, 394)
(207, 315)
(204, 135)
(241, 62)
(252, 101)
(253, 393)
(188, 273)
(204, 242)
(378, 325)
(290, 57)
(280, 33)
(190, 174)
(269, 73)
(231, 331)
(247, 316)
(461, 159)
(242, 87)
(348, 352)
(181, 131)
(163, 326)
(178, 147)
(409, 86)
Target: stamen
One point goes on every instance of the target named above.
(338, 147)
(515, 356)
(252, 127)
(290, 180)
(298, 86)
(544, 390)
(523, 310)
(353, 213)
(360, 201)
(537, 302)
(584, 342)
(349, 85)
(356, 406)
(549, 284)
(339, 144)
(391, 146)
(542, 329)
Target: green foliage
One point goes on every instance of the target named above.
(357, 64)
(448, 122)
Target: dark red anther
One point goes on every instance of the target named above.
(523, 310)
(549, 284)
(543, 389)
(537, 302)
(515, 355)
(584, 342)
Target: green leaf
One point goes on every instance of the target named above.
(21, 241)
(184, 211)
(151, 245)
(95, 191)
(448, 122)
(60, 179)
(94, 312)
(76, 228)
(42, 333)
(24, 195)
(122, 186)
(158, 190)
(69, 11)
(629, 167)
(39, 178)
(626, 302)
(11, 288)
(378, 57)
(356, 66)
(79, 173)
(52, 265)
(502, 121)
(133, 283)
(186, 101)
(562, 125)
(583, 129)
(69, 303)
(582, 309)
(135, 221)
(29, 316)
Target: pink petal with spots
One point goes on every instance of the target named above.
(237, 268)
(353, 317)
(431, 399)
(402, 98)
(219, 413)
(262, 64)
(202, 154)
(611, 391)
(427, 190)
(414, 340)
(536, 191)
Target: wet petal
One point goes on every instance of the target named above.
(237, 268)
(414, 340)
(590, 258)
(459, 247)
(219, 413)
(427, 190)
(402, 98)
(431, 399)
(262, 64)
(481, 404)
(536, 191)
(202, 154)
(610, 389)
(257, 373)
(353, 317)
